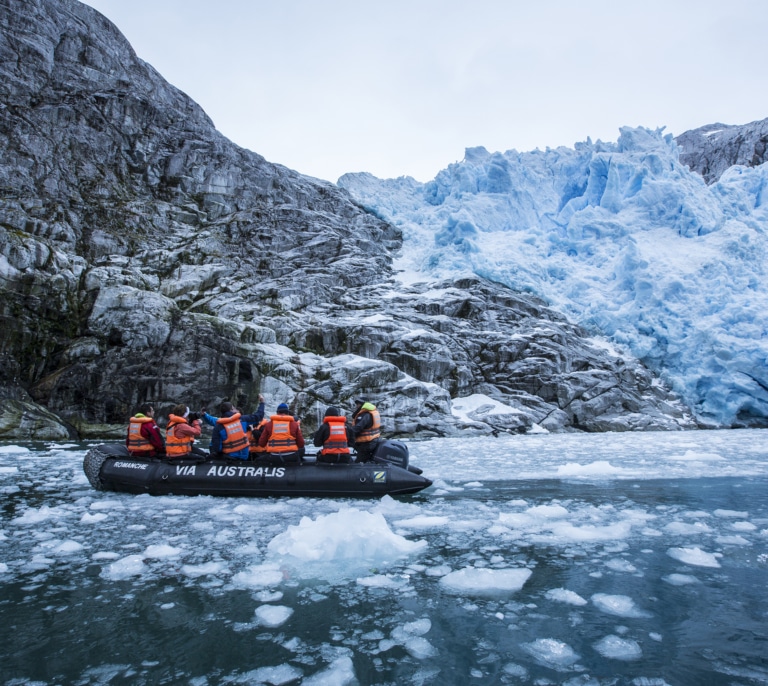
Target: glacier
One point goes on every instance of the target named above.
(623, 239)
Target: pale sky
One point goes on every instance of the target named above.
(401, 87)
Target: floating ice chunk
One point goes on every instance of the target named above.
(548, 511)
(686, 529)
(695, 456)
(586, 533)
(743, 526)
(275, 676)
(68, 547)
(599, 468)
(9, 470)
(618, 564)
(563, 595)
(340, 672)
(167, 606)
(124, 568)
(732, 540)
(514, 669)
(483, 581)
(617, 648)
(648, 681)
(411, 637)
(358, 539)
(13, 450)
(381, 581)
(619, 605)
(33, 516)
(551, 653)
(205, 569)
(259, 576)
(273, 615)
(440, 570)
(89, 518)
(680, 579)
(162, 551)
(694, 556)
(423, 522)
(3, 568)
(731, 514)
(105, 555)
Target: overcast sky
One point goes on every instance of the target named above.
(401, 87)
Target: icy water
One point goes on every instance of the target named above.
(571, 559)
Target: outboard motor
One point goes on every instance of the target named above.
(394, 452)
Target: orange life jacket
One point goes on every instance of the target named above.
(177, 446)
(236, 439)
(336, 443)
(254, 439)
(137, 444)
(281, 440)
(374, 431)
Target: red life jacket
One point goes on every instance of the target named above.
(177, 446)
(375, 430)
(253, 438)
(137, 444)
(281, 440)
(336, 443)
(236, 439)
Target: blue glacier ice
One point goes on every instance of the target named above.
(623, 239)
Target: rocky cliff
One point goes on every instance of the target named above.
(143, 256)
(712, 149)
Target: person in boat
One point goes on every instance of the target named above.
(365, 429)
(333, 437)
(180, 433)
(229, 437)
(282, 437)
(255, 451)
(144, 439)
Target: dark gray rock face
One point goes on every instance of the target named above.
(712, 149)
(144, 257)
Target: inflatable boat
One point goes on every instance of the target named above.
(110, 468)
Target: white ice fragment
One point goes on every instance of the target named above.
(162, 551)
(617, 648)
(204, 569)
(132, 565)
(618, 564)
(551, 653)
(273, 615)
(340, 672)
(3, 568)
(259, 576)
(275, 676)
(694, 556)
(483, 581)
(680, 579)
(563, 595)
(381, 581)
(619, 605)
(423, 522)
(731, 514)
(599, 468)
(89, 518)
(68, 547)
(356, 538)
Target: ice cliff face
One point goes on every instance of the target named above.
(622, 238)
(145, 257)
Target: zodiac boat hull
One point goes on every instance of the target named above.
(110, 468)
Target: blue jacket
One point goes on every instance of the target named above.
(219, 434)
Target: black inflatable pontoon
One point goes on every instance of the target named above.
(110, 468)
